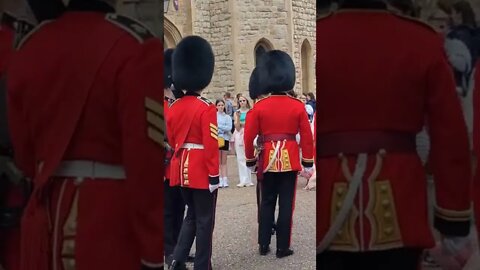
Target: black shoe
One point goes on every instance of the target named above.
(191, 258)
(264, 250)
(178, 266)
(284, 253)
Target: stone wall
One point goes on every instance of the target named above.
(234, 28)
(257, 20)
(180, 20)
(220, 36)
(304, 22)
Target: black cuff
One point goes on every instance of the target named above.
(213, 180)
(307, 164)
(144, 267)
(452, 228)
(251, 163)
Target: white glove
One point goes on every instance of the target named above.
(312, 183)
(308, 171)
(455, 245)
(212, 188)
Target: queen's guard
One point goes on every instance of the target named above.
(371, 102)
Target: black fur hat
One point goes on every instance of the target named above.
(167, 68)
(253, 87)
(323, 4)
(277, 72)
(192, 64)
(47, 10)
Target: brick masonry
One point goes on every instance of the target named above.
(235, 27)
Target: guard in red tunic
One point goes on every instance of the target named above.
(193, 133)
(174, 204)
(86, 120)
(257, 93)
(11, 198)
(476, 147)
(276, 120)
(14, 187)
(373, 97)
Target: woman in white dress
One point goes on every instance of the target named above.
(239, 122)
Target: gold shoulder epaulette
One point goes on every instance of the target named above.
(206, 100)
(295, 98)
(175, 101)
(24, 31)
(137, 29)
(263, 98)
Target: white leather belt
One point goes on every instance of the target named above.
(89, 169)
(192, 146)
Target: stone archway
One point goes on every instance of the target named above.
(262, 46)
(171, 35)
(307, 67)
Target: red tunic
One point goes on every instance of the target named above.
(279, 114)
(193, 120)
(476, 144)
(83, 88)
(9, 240)
(387, 74)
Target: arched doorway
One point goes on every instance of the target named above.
(171, 35)
(263, 46)
(307, 70)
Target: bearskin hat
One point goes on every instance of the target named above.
(192, 64)
(167, 67)
(253, 87)
(277, 72)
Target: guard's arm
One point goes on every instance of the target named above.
(140, 110)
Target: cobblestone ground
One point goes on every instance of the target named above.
(235, 236)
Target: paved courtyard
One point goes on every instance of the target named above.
(235, 236)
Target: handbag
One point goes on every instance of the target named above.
(223, 145)
(221, 142)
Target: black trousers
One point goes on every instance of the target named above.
(174, 211)
(199, 223)
(259, 206)
(282, 186)
(394, 259)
